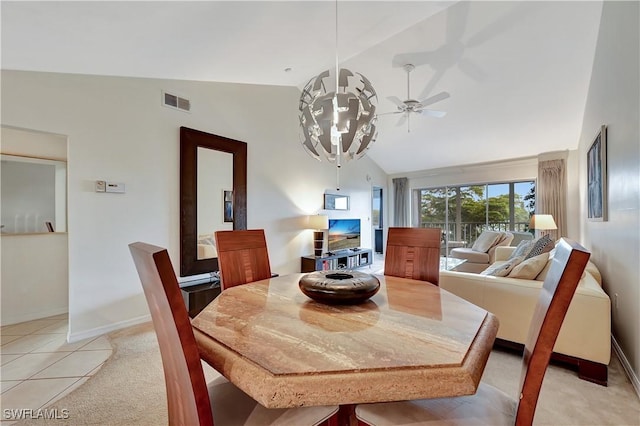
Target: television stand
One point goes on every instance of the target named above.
(345, 259)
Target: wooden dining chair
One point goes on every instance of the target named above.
(242, 257)
(489, 405)
(413, 253)
(191, 401)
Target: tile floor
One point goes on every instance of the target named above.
(38, 366)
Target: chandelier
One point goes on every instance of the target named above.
(337, 115)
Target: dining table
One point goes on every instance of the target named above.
(411, 340)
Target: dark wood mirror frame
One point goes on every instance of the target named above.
(190, 141)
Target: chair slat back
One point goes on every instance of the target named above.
(187, 395)
(242, 257)
(555, 297)
(413, 253)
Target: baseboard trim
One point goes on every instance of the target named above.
(626, 365)
(30, 316)
(99, 331)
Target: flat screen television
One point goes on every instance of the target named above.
(344, 234)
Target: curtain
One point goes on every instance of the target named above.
(551, 194)
(401, 201)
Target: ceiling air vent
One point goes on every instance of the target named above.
(173, 101)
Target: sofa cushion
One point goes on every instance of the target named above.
(530, 268)
(503, 240)
(502, 269)
(486, 240)
(471, 255)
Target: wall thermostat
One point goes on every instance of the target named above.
(115, 187)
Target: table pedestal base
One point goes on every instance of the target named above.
(346, 416)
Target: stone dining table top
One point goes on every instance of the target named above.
(410, 340)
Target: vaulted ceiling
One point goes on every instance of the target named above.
(517, 72)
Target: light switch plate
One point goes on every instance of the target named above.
(101, 186)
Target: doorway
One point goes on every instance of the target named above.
(34, 240)
(377, 218)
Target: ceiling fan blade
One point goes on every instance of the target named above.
(433, 113)
(402, 120)
(396, 101)
(435, 98)
(390, 113)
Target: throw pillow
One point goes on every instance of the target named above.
(486, 240)
(528, 269)
(543, 274)
(522, 249)
(501, 269)
(541, 245)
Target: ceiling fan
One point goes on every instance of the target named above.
(411, 106)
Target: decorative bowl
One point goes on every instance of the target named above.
(339, 287)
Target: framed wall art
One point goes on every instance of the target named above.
(597, 177)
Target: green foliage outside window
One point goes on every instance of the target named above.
(477, 211)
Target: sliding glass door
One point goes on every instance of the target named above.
(463, 212)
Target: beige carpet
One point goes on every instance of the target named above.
(129, 390)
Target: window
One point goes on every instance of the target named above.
(463, 212)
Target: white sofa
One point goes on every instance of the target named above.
(585, 337)
(482, 254)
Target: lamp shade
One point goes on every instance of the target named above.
(318, 221)
(542, 221)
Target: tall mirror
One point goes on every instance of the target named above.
(213, 196)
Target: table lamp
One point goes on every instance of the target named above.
(542, 222)
(318, 223)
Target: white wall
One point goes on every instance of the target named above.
(573, 195)
(119, 131)
(613, 100)
(34, 276)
